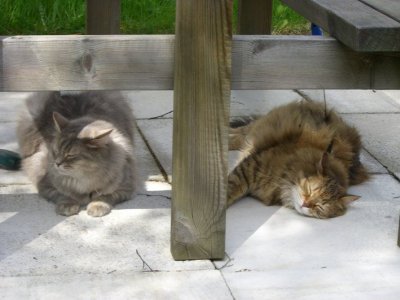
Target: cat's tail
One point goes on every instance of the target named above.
(9, 160)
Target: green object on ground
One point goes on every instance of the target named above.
(9, 160)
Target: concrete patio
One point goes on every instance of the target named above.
(271, 252)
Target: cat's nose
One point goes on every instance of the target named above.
(306, 204)
(58, 162)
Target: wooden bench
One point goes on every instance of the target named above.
(202, 64)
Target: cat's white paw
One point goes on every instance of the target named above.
(67, 208)
(98, 208)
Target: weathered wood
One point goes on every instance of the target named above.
(255, 17)
(354, 23)
(201, 113)
(103, 16)
(398, 238)
(390, 8)
(123, 62)
(87, 62)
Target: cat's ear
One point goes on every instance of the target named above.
(323, 164)
(59, 121)
(100, 140)
(349, 198)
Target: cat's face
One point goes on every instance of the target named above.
(75, 153)
(75, 156)
(320, 197)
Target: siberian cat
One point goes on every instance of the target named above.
(77, 149)
(298, 155)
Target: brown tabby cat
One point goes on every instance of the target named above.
(298, 155)
(78, 150)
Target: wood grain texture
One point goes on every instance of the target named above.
(121, 62)
(200, 145)
(391, 8)
(398, 238)
(255, 17)
(87, 62)
(354, 23)
(103, 16)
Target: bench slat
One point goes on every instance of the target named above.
(390, 8)
(354, 23)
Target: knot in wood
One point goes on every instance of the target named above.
(87, 62)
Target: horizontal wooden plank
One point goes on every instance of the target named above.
(87, 62)
(122, 62)
(390, 8)
(354, 23)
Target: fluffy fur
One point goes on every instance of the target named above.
(78, 149)
(298, 155)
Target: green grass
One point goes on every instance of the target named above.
(138, 17)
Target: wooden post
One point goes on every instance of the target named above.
(200, 131)
(398, 238)
(103, 16)
(255, 17)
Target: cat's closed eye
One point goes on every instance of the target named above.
(70, 157)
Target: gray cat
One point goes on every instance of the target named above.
(77, 149)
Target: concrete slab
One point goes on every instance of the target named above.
(355, 101)
(394, 94)
(380, 136)
(8, 138)
(151, 104)
(158, 133)
(331, 283)
(245, 103)
(10, 104)
(159, 104)
(294, 257)
(138, 285)
(275, 253)
(373, 166)
(35, 241)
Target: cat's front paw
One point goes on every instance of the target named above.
(98, 208)
(67, 208)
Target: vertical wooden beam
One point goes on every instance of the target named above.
(398, 238)
(200, 131)
(103, 16)
(1, 65)
(255, 17)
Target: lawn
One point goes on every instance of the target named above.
(138, 17)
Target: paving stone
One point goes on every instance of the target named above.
(150, 104)
(139, 285)
(355, 101)
(380, 136)
(10, 104)
(153, 104)
(278, 253)
(246, 103)
(394, 95)
(372, 165)
(158, 133)
(275, 253)
(35, 241)
(330, 283)
(277, 238)
(8, 137)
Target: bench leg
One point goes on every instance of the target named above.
(200, 131)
